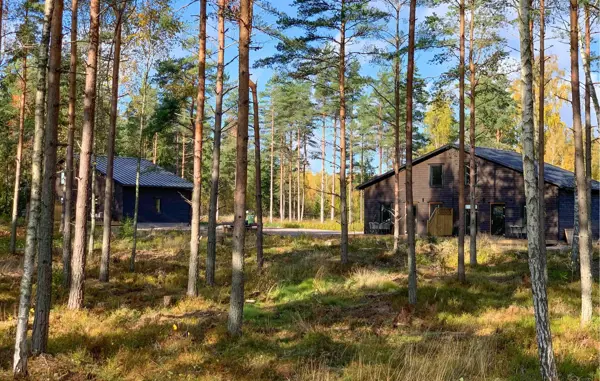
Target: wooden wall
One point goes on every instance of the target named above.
(496, 184)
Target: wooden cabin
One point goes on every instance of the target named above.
(500, 195)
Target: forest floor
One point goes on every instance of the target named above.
(306, 317)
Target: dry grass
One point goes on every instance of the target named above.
(307, 317)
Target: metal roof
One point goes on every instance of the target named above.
(510, 159)
(151, 175)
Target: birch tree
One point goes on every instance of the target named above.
(538, 281)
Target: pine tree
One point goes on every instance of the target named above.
(236, 304)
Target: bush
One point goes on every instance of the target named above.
(126, 230)
(291, 225)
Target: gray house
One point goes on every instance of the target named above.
(500, 193)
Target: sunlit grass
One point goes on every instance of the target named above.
(306, 317)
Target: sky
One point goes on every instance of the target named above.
(266, 46)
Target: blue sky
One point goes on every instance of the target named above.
(555, 46)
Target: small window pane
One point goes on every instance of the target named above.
(435, 176)
(157, 205)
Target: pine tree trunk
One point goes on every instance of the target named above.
(541, 140)
(68, 196)
(236, 306)
(19, 155)
(281, 182)
(397, 213)
(461, 148)
(78, 261)
(192, 289)
(257, 179)
(350, 178)
(272, 161)
(538, 281)
(290, 198)
(110, 149)
(333, 168)
(585, 241)
(90, 246)
(21, 351)
(136, 206)
(343, 185)
(379, 139)
(183, 156)
(585, 55)
(298, 176)
(588, 123)
(211, 248)
(472, 165)
(410, 223)
(154, 148)
(323, 168)
(41, 320)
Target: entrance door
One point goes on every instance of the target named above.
(498, 219)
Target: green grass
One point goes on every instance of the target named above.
(312, 224)
(306, 316)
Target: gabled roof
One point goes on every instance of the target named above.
(509, 159)
(151, 175)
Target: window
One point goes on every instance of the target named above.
(468, 175)
(524, 214)
(63, 178)
(435, 176)
(433, 206)
(386, 212)
(157, 205)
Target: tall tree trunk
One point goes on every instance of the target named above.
(343, 185)
(183, 156)
(281, 182)
(136, 206)
(588, 123)
(397, 232)
(304, 177)
(362, 177)
(290, 198)
(68, 201)
(19, 154)
(410, 223)
(272, 161)
(90, 246)
(177, 153)
(538, 281)
(41, 320)
(379, 140)
(21, 352)
(154, 148)
(334, 168)
(541, 139)
(472, 165)
(350, 178)
(257, 179)
(110, 148)
(211, 248)
(87, 136)
(192, 289)
(298, 176)
(585, 242)
(236, 306)
(461, 147)
(323, 168)
(585, 55)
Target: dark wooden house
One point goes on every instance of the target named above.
(164, 196)
(500, 194)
